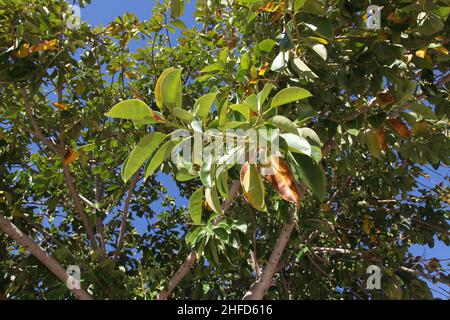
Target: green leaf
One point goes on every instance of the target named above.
(183, 114)
(212, 68)
(298, 4)
(179, 24)
(136, 110)
(212, 198)
(311, 136)
(196, 205)
(280, 61)
(311, 174)
(313, 7)
(205, 172)
(203, 105)
(158, 88)
(222, 183)
(141, 152)
(289, 95)
(422, 110)
(284, 124)
(297, 144)
(252, 102)
(321, 51)
(267, 45)
(321, 26)
(242, 109)
(171, 89)
(158, 158)
(264, 93)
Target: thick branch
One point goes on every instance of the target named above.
(260, 286)
(123, 224)
(38, 252)
(192, 257)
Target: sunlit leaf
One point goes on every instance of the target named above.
(297, 144)
(289, 95)
(283, 180)
(203, 105)
(144, 149)
(253, 187)
(196, 205)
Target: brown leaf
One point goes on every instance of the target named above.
(400, 128)
(382, 138)
(283, 180)
(385, 98)
(70, 156)
(44, 45)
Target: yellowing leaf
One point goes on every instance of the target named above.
(61, 106)
(419, 127)
(44, 45)
(283, 180)
(421, 53)
(269, 7)
(70, 156)
(263, 69)
(24, 51)
(253, 187)
(366, 225)
(441, 49)
(317, 39)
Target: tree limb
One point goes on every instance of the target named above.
(260, 286)
(192, 257)
(123, 224)
(39, 253)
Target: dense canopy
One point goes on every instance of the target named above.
(89, 126)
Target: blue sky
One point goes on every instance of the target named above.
(101, 12)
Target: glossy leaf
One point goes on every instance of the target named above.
(253, 187)
(136, 110)
(144, 149)
(283, 180)
(289, 95)
(297, 144)
(196, 206)
(311, 174)
(203, 105)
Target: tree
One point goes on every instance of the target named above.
(87, 124)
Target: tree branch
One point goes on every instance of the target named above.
(260, 286)
(192, 257)
(79, 207)
(123, 224)
(37, 130)
(38, 252)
